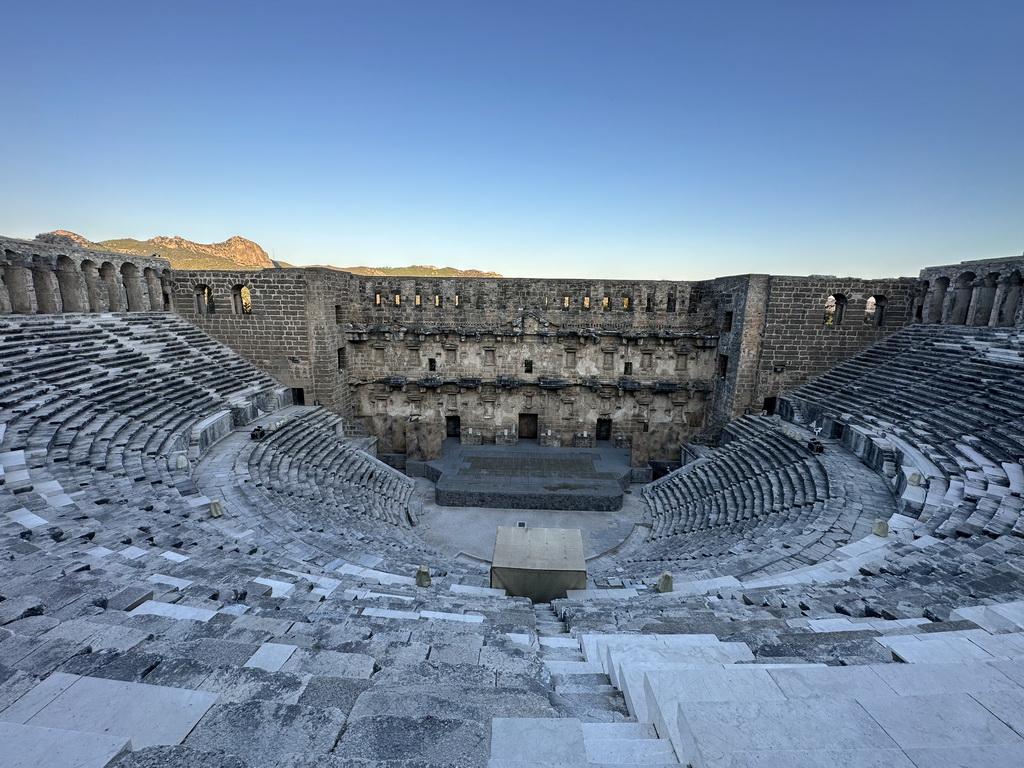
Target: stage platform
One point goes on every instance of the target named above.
(528, 476)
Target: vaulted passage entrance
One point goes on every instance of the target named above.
(453, 426)
(604, 429)
(527, 426)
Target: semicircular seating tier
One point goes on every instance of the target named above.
(938, 412)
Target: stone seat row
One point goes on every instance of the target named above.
(961, 447)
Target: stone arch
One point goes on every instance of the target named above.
(835, 309)
(984, 300)
(94, 287)
(115, 291)
(71, 285)
(241, 300)
(44, 282)
(1006, 313)
(204, 299)
(874, 310)
(937, 300)
(135, 299)
(963, 291)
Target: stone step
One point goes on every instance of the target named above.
(521, 742)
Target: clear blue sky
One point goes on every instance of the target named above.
(656, 140)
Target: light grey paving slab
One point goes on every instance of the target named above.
(1004, 646)
(630, 751)
(1012, 669)
(559, 642)
(841, 682)
(277, 588)
(938, 720)
(709, 732)
(329, 663)
(387, 613)
(171, 581)
(847, 758)
(29, 746)
(174, 557)
(538, 740)
(976, 756)
(1007, 705)
(465, 589)
(132, 553)
(147, 714)
(711, 655)
(271, 656)
(28, 705)
(983, 616)
(99, 552)
(945, 650)
(667, 691)
(466, 618)
(597, 731)
(921, 679)
(173, 611)
(28, 519)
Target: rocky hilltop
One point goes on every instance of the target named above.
(234, 253)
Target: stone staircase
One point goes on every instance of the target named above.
(595, 731)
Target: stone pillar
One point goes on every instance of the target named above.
(136, 298)
(44, 282)
(115, 290)
(71, 282)
(154, 289)
(95, 290)
(21, 291)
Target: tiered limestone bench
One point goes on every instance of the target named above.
(949, 450)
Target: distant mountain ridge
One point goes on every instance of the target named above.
(234, 253)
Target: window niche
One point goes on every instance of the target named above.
(835, 310)
(241, 300)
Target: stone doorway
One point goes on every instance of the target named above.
(298, 396)
(527, 426)
(604, 429)
(453, 426)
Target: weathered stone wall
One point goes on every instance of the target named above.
(496, 302)
(274, 335)
(636, 357)
(798, 341)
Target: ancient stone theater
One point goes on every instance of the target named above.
(300, 517)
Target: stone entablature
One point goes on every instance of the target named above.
(983, 292)
(50, 278)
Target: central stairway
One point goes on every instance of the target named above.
(596, 729)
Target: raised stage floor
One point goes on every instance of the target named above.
(528, 476)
